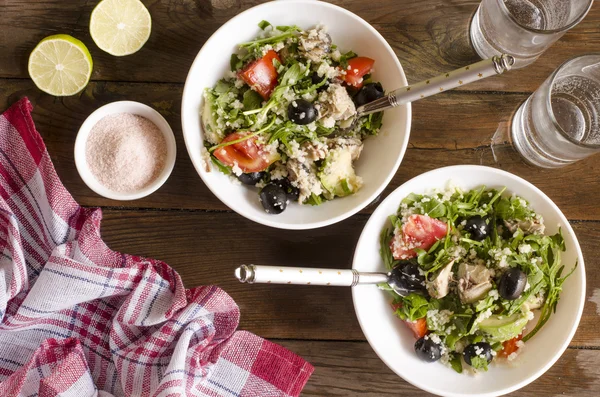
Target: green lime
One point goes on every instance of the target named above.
(120, 27)
(60, 65)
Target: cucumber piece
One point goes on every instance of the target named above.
(209, 120)
(502, 328)
(337, 174)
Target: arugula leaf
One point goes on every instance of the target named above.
(345, 57)
(485, 303)
(384, 248)
(254, 44)
(396, 221)
(412, 308)
(555, 282)
(314, 200)
(235, 62)
(513, 208)
(433, 208)
(456, 363)
(411, 199)
(479, 363)
(283, 135)
(223, 87)
(283, 28)
(263, 24)
(292, 75)
(252, 100)
(372, 123)
(222, 167)
(558, 240)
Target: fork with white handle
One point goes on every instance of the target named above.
(403, 279)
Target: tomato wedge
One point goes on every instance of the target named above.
(248, 155)
(510, 346)
(261, 75)
(419, 231)
(357, 68)
(419, 327)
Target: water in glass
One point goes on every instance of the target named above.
(559, 124)
(523, 28)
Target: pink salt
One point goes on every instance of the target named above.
(125, 152)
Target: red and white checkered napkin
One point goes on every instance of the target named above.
(77, 319)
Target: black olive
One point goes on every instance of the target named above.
(406, 278)
(251, 178)
(512, 284)
(292, 192)
(427, 349)
(302, 112)
(481, 349)
(273, 199)
(478, 228)
(316, 79)
(368, 93)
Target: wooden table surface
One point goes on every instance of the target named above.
(189, 228)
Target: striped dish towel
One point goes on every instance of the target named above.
(77, 319)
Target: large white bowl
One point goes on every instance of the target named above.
(392, 340)
(381, 155)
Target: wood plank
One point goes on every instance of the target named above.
(353, 369)
(428, 38)
(461, 134)
(206, 247)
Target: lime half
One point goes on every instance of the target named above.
(120, 27)
(60, 65)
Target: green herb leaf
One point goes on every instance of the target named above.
(396, 221)
(345, 57)
(292, 75)
(235, 62)
(314, 200)
(222, 167)
(284, 28)
(433, 208)
(223, 87)
(252, 100)
(384, 248)
(456, 363)
(263, 24)
(413, 307)
(479, 363)
(255, 44)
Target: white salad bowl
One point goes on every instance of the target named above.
(394, 343)
(381, 155)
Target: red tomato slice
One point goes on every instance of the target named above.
(419, 327)
(249, 155)
(510, 346)
(261, 75)
(357, 68)
(419, 231)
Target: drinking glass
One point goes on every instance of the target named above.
(560, 123)
(523, 28)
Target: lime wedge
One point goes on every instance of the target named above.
(60, 65)
(120, 27)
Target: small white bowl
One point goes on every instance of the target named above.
(381, 155)
(393, 342)
(123, 107)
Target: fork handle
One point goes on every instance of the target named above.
(444, 82)
(306, 276)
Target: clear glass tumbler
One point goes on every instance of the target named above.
(523, 28)
(560, 123)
